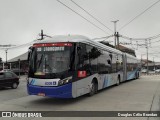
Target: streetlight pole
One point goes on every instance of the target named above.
(115, 31)
(6, 58)
(6, 55)
(147, 54)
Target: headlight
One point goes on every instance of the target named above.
(65, 81)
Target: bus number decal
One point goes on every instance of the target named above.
(50, 83)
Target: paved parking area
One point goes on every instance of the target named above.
(136, 95)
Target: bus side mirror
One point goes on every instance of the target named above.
(28, 56)
(29, 52)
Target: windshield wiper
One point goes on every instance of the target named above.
(40, 61)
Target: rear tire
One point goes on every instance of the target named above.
(14, 85)
(137, 75)
(118, 81)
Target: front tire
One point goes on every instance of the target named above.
(14, 85)
(93, 88)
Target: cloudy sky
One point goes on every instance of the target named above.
(22, 20)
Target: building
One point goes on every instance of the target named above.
(19, 62)
(152, 66)
(126, 50)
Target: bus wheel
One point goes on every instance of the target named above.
(118, 81)
(137, 75)
(93, 88)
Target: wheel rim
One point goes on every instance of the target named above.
(14, 85)
(92, 88)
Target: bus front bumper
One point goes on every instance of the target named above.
(64, 91)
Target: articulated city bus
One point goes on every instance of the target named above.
(71, 66)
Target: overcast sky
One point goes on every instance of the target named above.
(22, 20)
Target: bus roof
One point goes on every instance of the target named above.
(64, 38)
(78, 38)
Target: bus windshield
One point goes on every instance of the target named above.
(51, 59)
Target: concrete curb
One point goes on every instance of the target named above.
(155, 104)
(150, 74)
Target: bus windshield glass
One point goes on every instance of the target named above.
(51, 59)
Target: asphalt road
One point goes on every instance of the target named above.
(136, 95)
(10, 94)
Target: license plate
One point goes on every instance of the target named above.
(41, 94)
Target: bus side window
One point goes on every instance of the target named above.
(104, 63)
(93, 53)
(114, 63)
(82, 57)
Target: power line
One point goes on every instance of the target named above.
(150, 53)
(102, 37)
(148, 38)
(139, 15)
(156, 41)
(81, 16)
(154, 53)
(130, 43)
(127, 43)
(9, 45)
(139, 45)
(18, 46)
(125, 37)
(153, 37)
(157, 46)
(91, 15)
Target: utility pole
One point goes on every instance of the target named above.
(6, 48)
(154, 64)
(147, 53)
(117, 35)
(142, 59)
(115, 31)
(6, 55)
